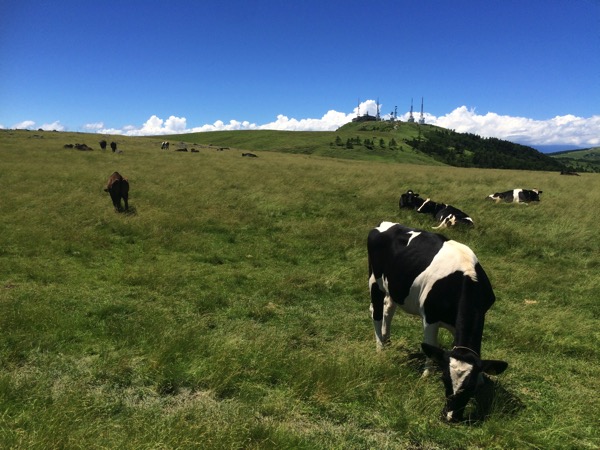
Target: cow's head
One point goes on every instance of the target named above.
(462, 374)
(408, 200)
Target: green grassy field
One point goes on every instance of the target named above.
(229, 307)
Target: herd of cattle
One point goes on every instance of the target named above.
(442, 281)
(427, 275)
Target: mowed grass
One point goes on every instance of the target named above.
(229, 308)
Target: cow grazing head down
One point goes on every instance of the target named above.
(462, 374)
(118, 188)
(440, 280)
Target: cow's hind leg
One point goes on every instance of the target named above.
(378, 298)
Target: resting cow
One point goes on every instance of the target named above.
(118, 188)
(445, 214)
(410, 200)
(517, 196)
(441, 281)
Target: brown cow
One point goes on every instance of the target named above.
(118, 188)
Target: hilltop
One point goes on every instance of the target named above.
(387, 141)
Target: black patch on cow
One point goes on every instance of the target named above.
(442, 301)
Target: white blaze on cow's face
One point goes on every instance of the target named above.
(459, 372)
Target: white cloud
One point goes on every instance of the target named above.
(54, 126)
(25, 125)
(565, 130)
(568, 129)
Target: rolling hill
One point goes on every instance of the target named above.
(584, 160)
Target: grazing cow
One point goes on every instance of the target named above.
(118, 188)
(113, 146)
(249, 155)
(517, 196)
(442, 281)
(410, 200)
(446, 215)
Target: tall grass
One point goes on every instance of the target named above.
(229, 308)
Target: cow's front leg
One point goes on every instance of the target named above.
(430, 336)
(389, 308)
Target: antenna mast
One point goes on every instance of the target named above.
(421, 119)
(411, 118)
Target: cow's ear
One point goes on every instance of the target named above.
(493, 366)
(435, 353)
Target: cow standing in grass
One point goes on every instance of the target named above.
(118, 188)
(441, 281)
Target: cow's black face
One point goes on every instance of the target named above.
(462, 374)
(408, 200)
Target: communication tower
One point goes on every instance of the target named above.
(421, 119)
(411, 118)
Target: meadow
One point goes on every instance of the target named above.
(229, 308)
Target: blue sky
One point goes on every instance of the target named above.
(527, 71)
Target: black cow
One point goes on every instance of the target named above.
(103, 144)
(410, 200)
(118, 188)
(113, 146)
(249, 155)
(446, 215)
(440, 280)
(517, 196)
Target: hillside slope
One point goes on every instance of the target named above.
(585, 160)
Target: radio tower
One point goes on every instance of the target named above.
(378, 116)
(411, 118)
(421, 119)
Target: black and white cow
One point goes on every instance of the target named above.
(441, 281)
(410, 200)
(517, 196)
(446, 215)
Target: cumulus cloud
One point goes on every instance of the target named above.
(568, 129)
(25, 125)
(564, 130)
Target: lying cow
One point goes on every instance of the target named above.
(118, 188)
(517, 196)
(410, 200)
(446, 215)
(442, 281)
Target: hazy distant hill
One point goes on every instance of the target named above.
(585, 160)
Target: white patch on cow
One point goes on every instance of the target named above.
(413, 234)
(424, 203)
(384, 226)
(459, 371)
(452, 257)
(516, 193)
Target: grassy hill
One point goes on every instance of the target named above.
(229, 308)
(386, 141)
(586, 160)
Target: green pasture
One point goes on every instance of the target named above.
(229, 309)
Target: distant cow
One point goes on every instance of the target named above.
(568, 172)
(441, 281)
(410, 200)
(446, 215)
(113, 146)
(103, 144)
(249, 155)
(118, 188)
(517, 196)
(165, 145)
